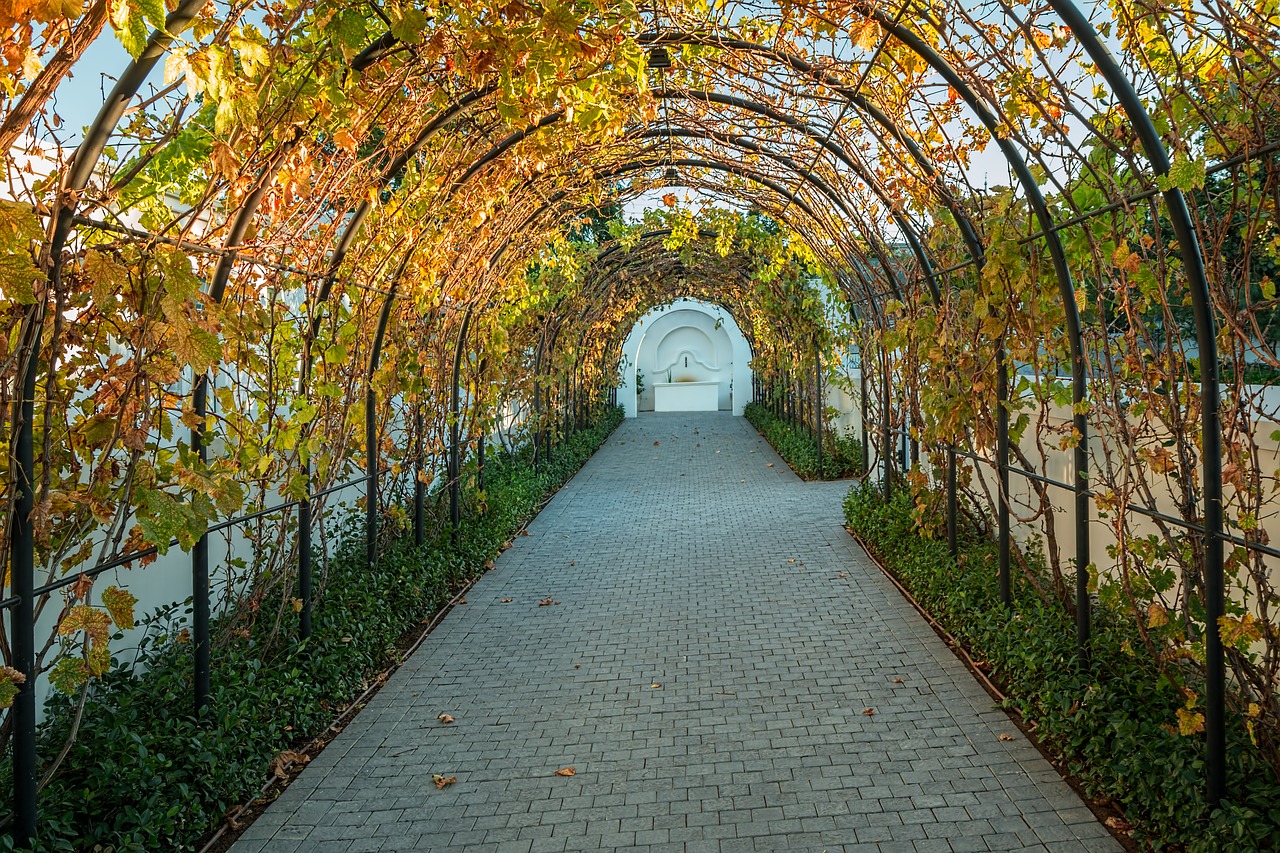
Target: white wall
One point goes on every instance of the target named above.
(692, 340)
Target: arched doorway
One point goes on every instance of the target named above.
(687, 355)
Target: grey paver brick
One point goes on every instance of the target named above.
(698, 567)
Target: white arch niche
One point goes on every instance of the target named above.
(695, 341)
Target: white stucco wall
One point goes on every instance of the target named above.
(690, 340)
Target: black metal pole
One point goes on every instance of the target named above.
(371, 471)
(419, 487)
(482, 436)
(22, 546)
(304, 553)
(817, 382)
(953, 543)
(865, 403)
(886, 428)
(455, 429)
(200, 566)
(1002, 467)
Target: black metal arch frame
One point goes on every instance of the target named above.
(22, 464)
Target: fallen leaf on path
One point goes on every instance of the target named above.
(770, 465)
(655, 685)
(657, 444)
(844, 574)
(897, 681)
(577, 666)
(573, 563)
(566, 771)
(868, 712)
(445, 718)
(546, 602)
(505, 601)
(1118, 825)
(442, 782)
(791, 559)
(1005, 737)
(462, 601)
(524, 532)
(282, 762)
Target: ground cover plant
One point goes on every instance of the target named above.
(143, 774)
(841, 455)
(1113, 722)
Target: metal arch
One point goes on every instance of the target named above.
(1210, 394)
(881, 255)
(800, 203)
(922, 258)
(830, 81)
(382, 47)
(22, 461)
(1035, 200)
(705, 234)
(796, 124)
(746, 144)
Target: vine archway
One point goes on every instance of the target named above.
(337, 246)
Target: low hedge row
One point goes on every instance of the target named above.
(841, 454)
(1111, 724)
(144, 775)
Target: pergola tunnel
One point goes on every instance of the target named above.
(315, 293)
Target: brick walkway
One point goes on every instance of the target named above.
(721, 666)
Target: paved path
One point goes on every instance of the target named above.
(722, 667)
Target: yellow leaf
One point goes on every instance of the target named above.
(566, 771)
(1157, 615)
(119, 604)
(344, 140)
(108, 275)
(1189, 722)
(1120, 257)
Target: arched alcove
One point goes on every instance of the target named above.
(686, 341)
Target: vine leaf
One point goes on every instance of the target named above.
(119, 604)
(198, 348)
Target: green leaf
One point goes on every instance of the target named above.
(1185, 175)
(130, 22)
(153, 11)
(409, 26)
(198, 348)
(18, 277)
(97, 430)
(163, 518)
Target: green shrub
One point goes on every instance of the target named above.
(144, 775)
(841, 454)
(1110, 724)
